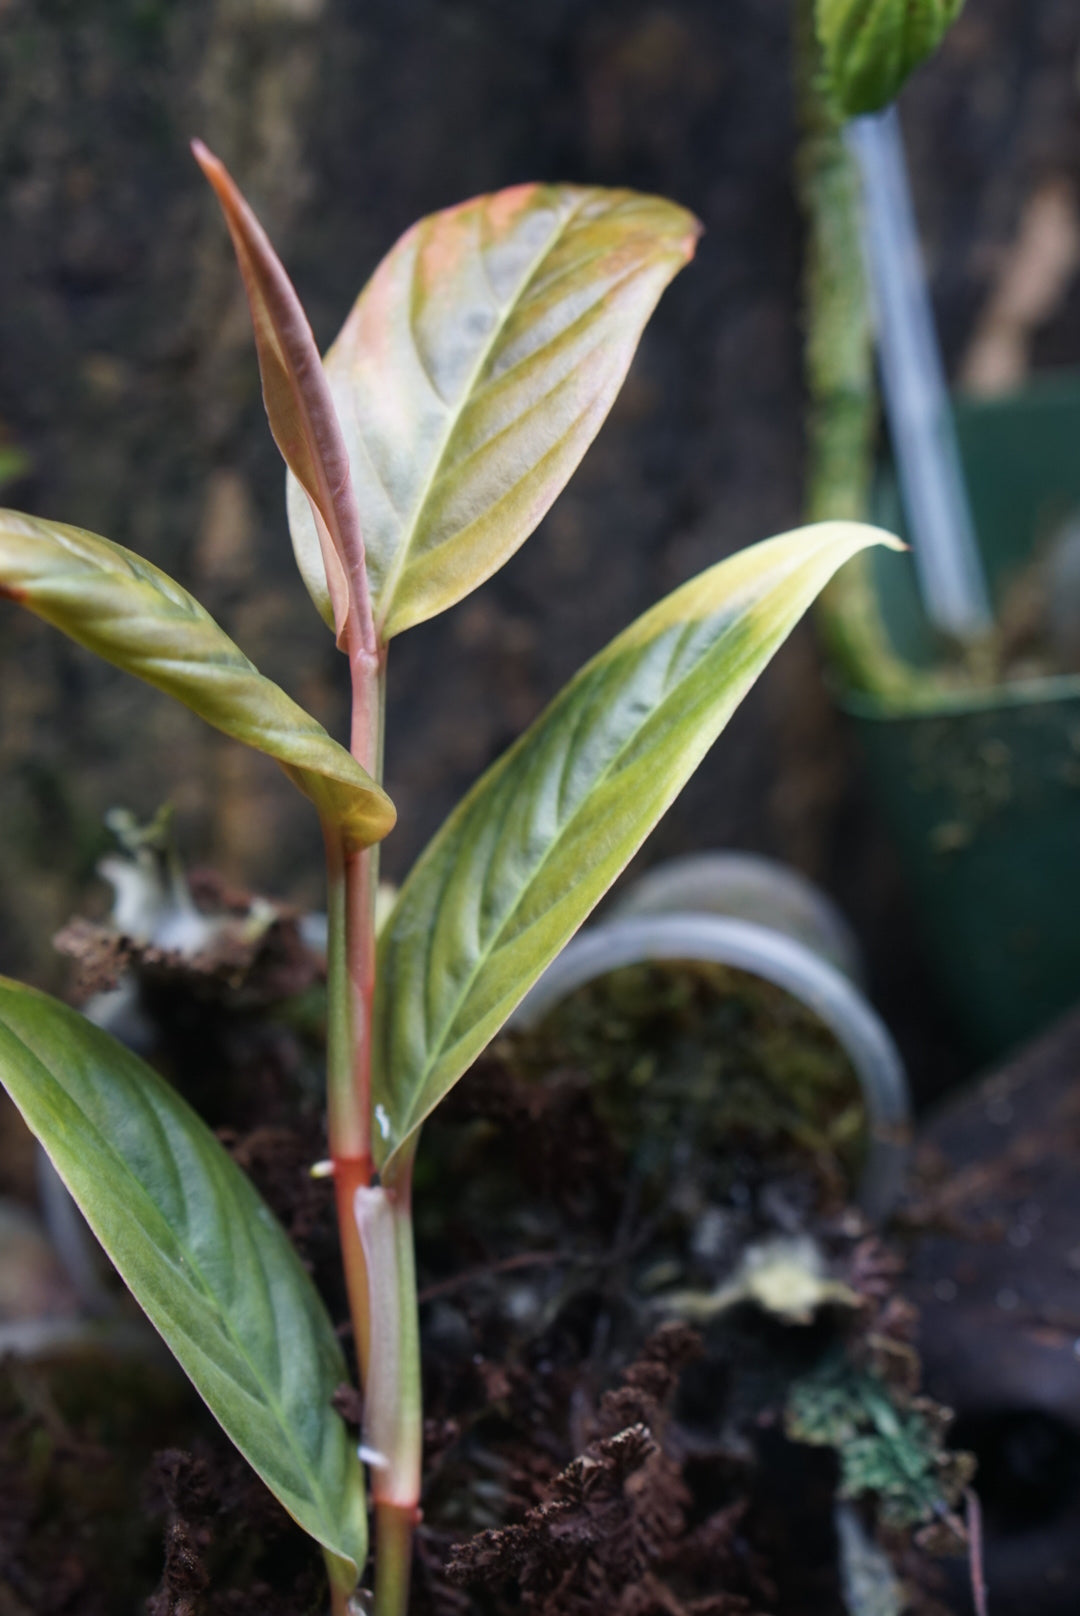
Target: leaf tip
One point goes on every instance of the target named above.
(859, 535)
(694, 231)
(220, 179)
(211, 166)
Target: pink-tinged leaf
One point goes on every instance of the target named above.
(299, 406)
(474, 371)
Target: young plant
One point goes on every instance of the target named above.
(466, 384)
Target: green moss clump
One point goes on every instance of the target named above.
(695, 1067)
(890, 1446)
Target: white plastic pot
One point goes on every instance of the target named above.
(672, 914)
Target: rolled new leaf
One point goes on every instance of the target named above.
(299, 407)
(474, 371)
(533, 847)
(132, 614)
(200, 1252)
(869, 47)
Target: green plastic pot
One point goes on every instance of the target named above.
(980, 786)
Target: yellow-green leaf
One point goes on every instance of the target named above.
(134, 615)
(201, 1253)
(474, 371)
(520, 863)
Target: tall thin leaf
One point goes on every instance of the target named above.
(132, 614)
(474, 371)
(201, 1253)
(521, 862)
(299, 407)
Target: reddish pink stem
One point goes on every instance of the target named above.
(353, 877)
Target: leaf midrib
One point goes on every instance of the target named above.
(408, 535)
(318, 1495)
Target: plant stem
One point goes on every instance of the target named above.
(393, 1414)
(375, 1220)
(352, 881)
(842, 395)
(347, 1099)
(393, 1558)
(842, 403)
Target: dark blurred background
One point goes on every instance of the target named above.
(128, 378)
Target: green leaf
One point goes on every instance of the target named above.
(870, 47)
(201, 1253)
(132, 614)
(520, 863)
(474, 371)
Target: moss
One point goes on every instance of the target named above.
(695, 1066)
(889, 1446)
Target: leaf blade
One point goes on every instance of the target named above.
(536, 843)
(200, 1251)
(475, 369)
(298, 404)
(135, 616)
